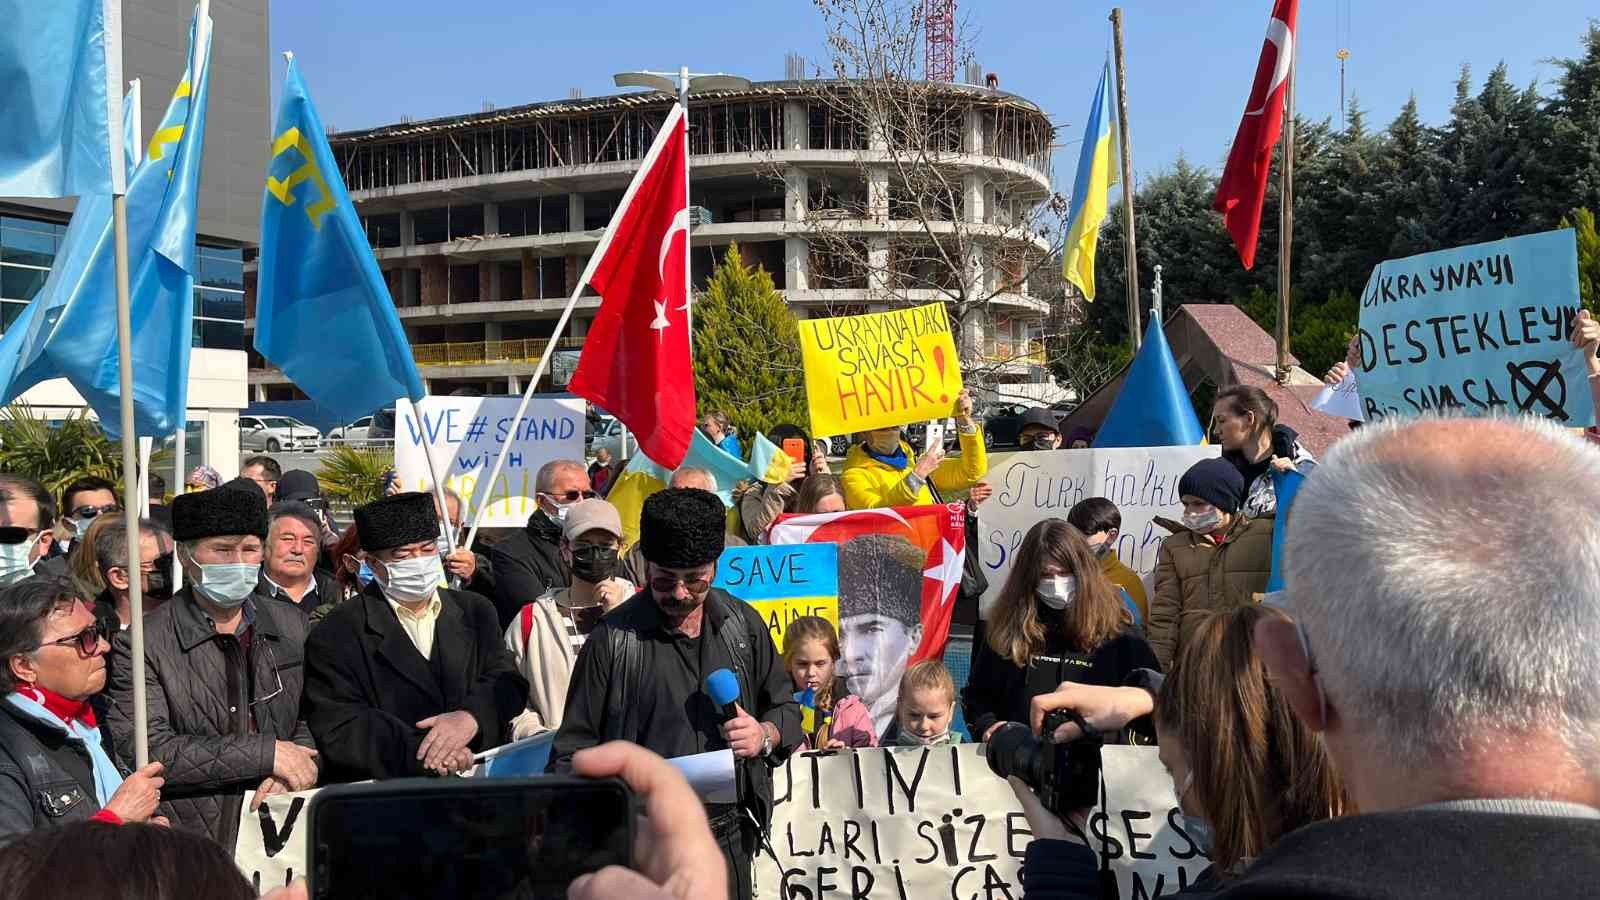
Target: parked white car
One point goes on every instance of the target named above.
(272, 434)
(357, 434)
(607, 434)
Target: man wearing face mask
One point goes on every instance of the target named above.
(409, 678)
(1040, 430)
(1101, 524)
(27, 514)
(640, 676)
(528, 562)
(222, 672)
(154, 571)
(883, 470)
(548, 633)
(83, 501)
(1217, 559)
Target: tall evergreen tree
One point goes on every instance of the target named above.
(747, 349)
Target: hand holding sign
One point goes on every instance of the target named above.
(1586, 333)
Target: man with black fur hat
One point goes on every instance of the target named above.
(640, 676)
(222, 672)
(410, 677)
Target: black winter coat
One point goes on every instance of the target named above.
(215, 747)
(367, 686)
(525, 565)
(999, 690)
(45, 779)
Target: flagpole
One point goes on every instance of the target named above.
(572, 302)
(1286, 212)
(1124, 145)
(688, 282)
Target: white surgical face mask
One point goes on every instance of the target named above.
(1202, 523)
(912, 739)
(16, 560)
(227, 584)
(1057, 592)
(411, 580)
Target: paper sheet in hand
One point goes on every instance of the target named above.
(1342, 399)
(710, 774)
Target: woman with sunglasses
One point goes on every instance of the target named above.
(53, 766)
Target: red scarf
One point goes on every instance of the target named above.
(62, 708)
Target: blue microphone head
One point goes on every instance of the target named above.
(723, 687)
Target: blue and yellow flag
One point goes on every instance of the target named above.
(323, 312)
(1097, 172)
(644, 476)
(70, 329)
(808, 710)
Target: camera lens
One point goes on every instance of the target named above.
(1013, 750)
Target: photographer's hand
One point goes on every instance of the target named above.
(676, 856)
(1046, 825)
(1106, 708)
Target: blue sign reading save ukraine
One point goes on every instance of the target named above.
(1477, 329)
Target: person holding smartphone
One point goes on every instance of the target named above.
(409, 678)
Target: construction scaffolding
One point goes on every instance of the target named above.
(619, 129)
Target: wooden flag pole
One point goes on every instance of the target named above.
(1130, 248)
(1286, 227)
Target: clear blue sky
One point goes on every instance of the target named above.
(1189, 64)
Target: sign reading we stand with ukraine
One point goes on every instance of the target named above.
(879, 369)
(783, 583)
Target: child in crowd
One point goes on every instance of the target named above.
(926, 709)
(810, 653)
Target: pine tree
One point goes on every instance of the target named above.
(747, 350)
(1582, 221)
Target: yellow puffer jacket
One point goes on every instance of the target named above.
(869, 484)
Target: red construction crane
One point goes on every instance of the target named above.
(939, 19)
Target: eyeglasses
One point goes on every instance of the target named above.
(666, 584)
(272, 666)
(90, 512)
(571, 496)
(88, 640)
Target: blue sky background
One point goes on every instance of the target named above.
(1189, 63)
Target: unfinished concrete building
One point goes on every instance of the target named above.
(483, 223)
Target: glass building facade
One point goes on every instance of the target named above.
(29, 246)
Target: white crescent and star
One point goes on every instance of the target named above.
(947, 572)
(1279, 35)
(680, 222)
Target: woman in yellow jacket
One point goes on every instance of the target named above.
(884, 471)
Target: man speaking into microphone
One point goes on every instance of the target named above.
(642, 674)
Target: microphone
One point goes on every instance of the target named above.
(723, 686)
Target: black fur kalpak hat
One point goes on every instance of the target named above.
(683, 528)
(231, 509)
(397, 521)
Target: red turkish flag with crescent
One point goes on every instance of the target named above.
(1243, 189)
(941, 533)
(635, 362)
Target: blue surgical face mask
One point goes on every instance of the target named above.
(228, 584)
(1197, 827)
(80, 526)
(364, 574)
(16, 561)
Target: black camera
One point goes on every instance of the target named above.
(1064, 776)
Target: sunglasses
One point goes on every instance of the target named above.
(87, 640)
(666, 584)
(571, 496)
(90, 512)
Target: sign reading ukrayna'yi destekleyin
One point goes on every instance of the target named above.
(1476, 330)
(880, 369)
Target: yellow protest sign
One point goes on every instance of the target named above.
(783, 583)
(879, 369)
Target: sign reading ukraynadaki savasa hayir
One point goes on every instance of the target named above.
(879, 369)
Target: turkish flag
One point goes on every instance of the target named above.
(635, 362)
(1243, 189)
(940, 532)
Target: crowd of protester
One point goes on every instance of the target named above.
(1411, 683)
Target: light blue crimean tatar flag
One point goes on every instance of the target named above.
(60, 78)
(70, 329)
(323, 312)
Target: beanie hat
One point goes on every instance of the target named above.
(1215, 481)
(231, 509)
(683, 528)
(396, 521)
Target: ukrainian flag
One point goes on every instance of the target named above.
(644, 476)
(1091, 191)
